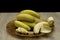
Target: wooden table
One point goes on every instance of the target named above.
(6, 17)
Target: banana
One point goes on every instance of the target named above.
(31, 12)
(25, 17)
(45, 30)
(29, 23)
(22, 30)
(51, 21)
(21, 24)
(30, 32)
(43, 27)
(37, 28)
(40, 20)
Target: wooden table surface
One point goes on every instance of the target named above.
(6, 17)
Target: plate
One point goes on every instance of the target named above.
(11, 29)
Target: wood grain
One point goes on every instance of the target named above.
(6, 17)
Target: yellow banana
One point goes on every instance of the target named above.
(31, 12)
(29, 23)
(21, 24)
(40, 20)
(25, 17)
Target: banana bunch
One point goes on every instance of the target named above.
(27, 20)
(31, 12)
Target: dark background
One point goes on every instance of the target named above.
(37, 5)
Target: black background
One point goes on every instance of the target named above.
(37, 5)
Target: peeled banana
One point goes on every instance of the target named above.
(29, 23)
(37, 28)
(51, 21)
(31, 12)
(25, 17)
(45, 30)
(22, 30)
(21, 24)
(43, 27)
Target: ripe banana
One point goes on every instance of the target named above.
(31, 12)
(40, 20)
(21, 24)
(29, 23)
(25, 17)
(22, 30)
